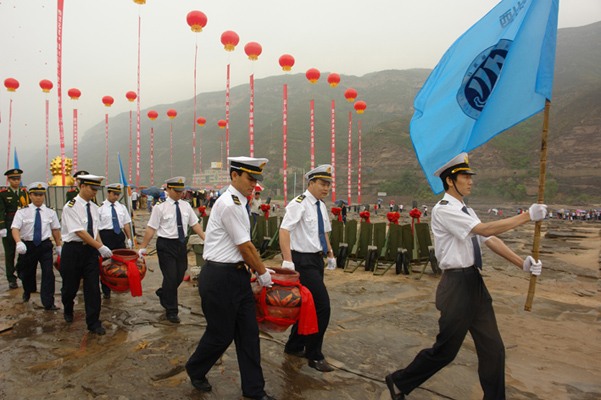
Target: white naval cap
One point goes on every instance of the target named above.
(459, 164)
(254, 166)
(114, 187)
(37, 187)
(92, 180)
(323, 171)
(176, 183)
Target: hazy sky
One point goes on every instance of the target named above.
(100, 39)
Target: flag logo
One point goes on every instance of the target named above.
(481, 77)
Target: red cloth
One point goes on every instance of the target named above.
(133, 277)
(393, 217)
(265, 208)
(307, 319)
(365, 215)
(337, 212)
(202, 211)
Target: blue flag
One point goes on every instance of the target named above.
(16, 164)
(497, 74)
(122, 178)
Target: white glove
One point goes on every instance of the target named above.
(532, 266)
(331, 264)
(142, 253)
(265, 279)
(58, 249)
(288, 265)
(105, 252)
(21, 248)
(128, 243)
(3, 232)
(537, 212)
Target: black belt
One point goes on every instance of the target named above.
(238, 265)
(79, 243)
(31, 241)
(470, 269)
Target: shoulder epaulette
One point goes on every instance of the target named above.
(160, 201)
(71, 202)
(236, 199)
(300, 198)
(72, 190)
(443, 202)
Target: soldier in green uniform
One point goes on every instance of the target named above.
(11, 199)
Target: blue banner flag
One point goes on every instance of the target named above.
(122, 178)
(497, 74)
(16, 164)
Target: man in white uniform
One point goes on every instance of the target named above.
(114, 225)
(304, 241)
(170, 220)
(79, 256)
(462, 297)
(224, 285)
(32, 228)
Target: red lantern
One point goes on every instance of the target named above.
(333, 79)
(221, 124)
(11, 84)
(313, 75)
(360, 106)
(171, 113)
(286, 62)
(229, 39)
(74, 94)
(108, 101)
(131, 96)
(197, 20)
(201, 121)
(46, 85)
(153, 115)
(253, 50)
(350, 94)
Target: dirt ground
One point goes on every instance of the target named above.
(378, 325)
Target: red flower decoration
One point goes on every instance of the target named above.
(337, 212)
(365, 215)
(415, 213)
(202, 212)
(265, 208)
(393, 217)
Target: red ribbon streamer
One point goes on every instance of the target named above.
(415, 214)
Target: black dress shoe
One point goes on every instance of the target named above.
(13, 285)
(52, 308)
(393, 390)
(266, 397)
(173, 319)
(26, 296)
(321, 365)
(201, 384)
(99, 331)
(106, 295)
(68, 317)
(299, 353)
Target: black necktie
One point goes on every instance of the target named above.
(37, 228)
(180, 229)
(116, 227)
(321, 230)
(477, 253)
(90, 221)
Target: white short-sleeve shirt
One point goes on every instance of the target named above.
(452, 238)
(228, 227)
(105, 214)
(75, 218)
(164, 218)
(302, 223)
(25, 219)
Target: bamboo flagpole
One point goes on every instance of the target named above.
(540, 200)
